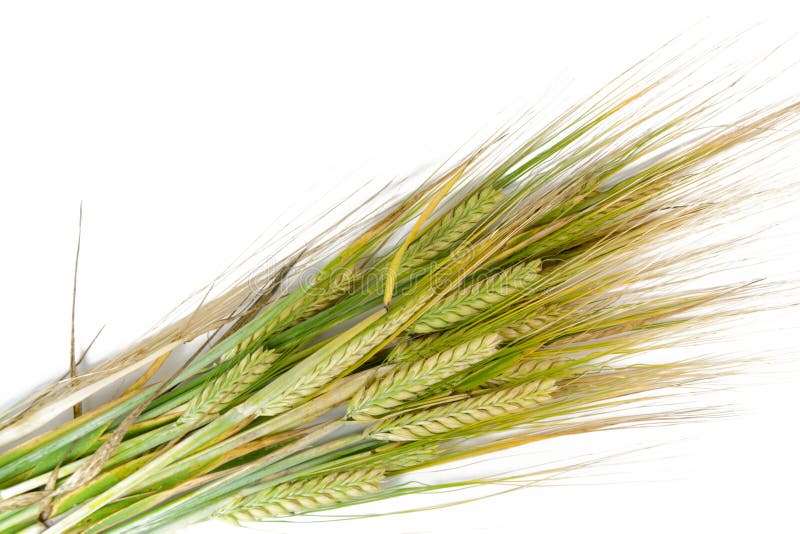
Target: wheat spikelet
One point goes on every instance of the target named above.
(479, 409)
(411, 380)
(217, 394)
(334, 364)
(477, 298)
(304, 495)
(450, 229)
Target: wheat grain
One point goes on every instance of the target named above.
(477, 298)
(479, 409)
(409, 381)
(304, 495)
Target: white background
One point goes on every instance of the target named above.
(187, 128)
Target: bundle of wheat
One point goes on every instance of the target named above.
(533, 272)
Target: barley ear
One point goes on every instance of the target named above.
(453, 416)
(528, 325)
(216, 395)
(401, 459)
(477, 298)
(303, 496)
(328, 366)
(450, 229)
(321, 294)
(528, 370)
(409, 381)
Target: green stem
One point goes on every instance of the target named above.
(227, 421)
(198, 505)
(31, 454)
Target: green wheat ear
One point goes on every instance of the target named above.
(324, 290)
(450, 230)
(477, 298)
(409, 381)
(219, 393)
(455, 415)
(304, 495)
(328, 366)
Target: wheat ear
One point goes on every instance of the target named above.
(412, 380)
(217, 394)
(455, 415)
(596, 219)
(304, 495)
(334, 364)
(477, 298)
(249, 342)
(450, 229)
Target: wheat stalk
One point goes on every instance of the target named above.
(409, 381)
(304, 495)
(477, 298)
(453, 416)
